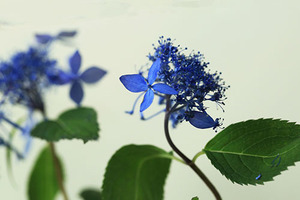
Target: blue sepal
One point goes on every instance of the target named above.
(43, 38)
(152, 74)
(202, 120)
(92, 75)
(147, 101)
(75, 62)
(134, 82)
(76, 92)
(66, 34)
(164, 88)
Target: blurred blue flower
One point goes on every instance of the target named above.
(137, 83)
(46, 38)
(24, 76)
(89, 76)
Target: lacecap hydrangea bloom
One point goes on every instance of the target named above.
(184, 79)
(27, 75)
(24, 76)
(22, 81)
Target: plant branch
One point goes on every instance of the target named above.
(197, 155)
(58, 171)
(188, 161)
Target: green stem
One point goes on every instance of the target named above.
(56, 163)
(58, 171)
(178, 159)
(197, 155)
(188, 161)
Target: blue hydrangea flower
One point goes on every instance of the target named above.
(137, 83)
(89, 76)
(23, 77)
(189, 77)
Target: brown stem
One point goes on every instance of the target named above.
(188, 161)
(58, 171)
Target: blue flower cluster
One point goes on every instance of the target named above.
(25, 77)
(186, 78)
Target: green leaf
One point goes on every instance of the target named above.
(195, 198)
(90, 194)
(42, 182)
(78, 123)
(255, 151)
(136, 172)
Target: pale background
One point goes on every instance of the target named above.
(254, 43)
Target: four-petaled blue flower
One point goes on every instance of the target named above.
(137, 83)
(91, 75)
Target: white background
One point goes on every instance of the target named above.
(254, 43)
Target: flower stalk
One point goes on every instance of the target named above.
(58, 171)
(188, 161)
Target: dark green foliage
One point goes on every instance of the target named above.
(79, 123)
(255, 151)
(90, 194)
(136, 172)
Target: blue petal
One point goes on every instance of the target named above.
(75, 62)
(66, 34)
(148, 99)
(43, 38)
(134, 82)
(76, 92)
(164, 88)
(202, 120)
(92, 75)
(152, 74)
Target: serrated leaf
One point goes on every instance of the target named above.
(136, 172)
(90, 194)
(78, 123)
(255, 151)
(42, 181)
